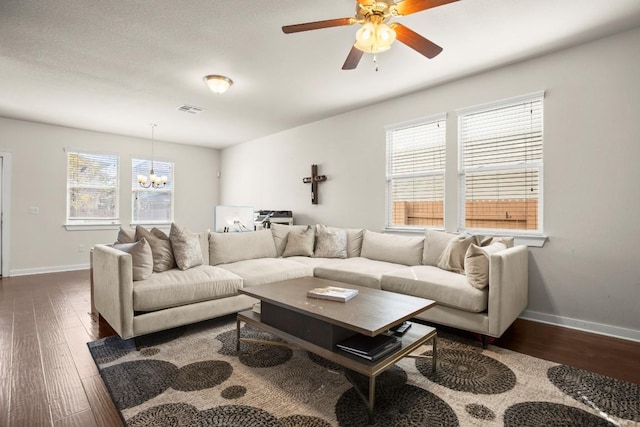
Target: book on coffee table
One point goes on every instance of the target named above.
(333, 293)
(380, 354)
(369, 347)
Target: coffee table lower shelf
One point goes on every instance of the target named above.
(415, 337)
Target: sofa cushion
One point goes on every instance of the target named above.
(267, 270)
(141, 258)
(232, 247)
(452, 258)
(300, 243)
(392, 248)
(312, 262)
(280, 233)
(330, 243)
(163, 259)
(444, 287)
(476, 263)
(186, 247)
(357, 271)
(435, 243)
(175, 287)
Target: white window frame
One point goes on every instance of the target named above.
(135, 188)
(526, 236)
(390, 177)
(72, 224)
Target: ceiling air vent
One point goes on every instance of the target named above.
(190, 109)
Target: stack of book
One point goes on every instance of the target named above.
(370, 348)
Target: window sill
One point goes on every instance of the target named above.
(530, 240)
(88, 227)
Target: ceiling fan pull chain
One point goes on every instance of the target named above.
(375, 61)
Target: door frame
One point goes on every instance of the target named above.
(5, 209)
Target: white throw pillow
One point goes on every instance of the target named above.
(186, 247)
(280, 233)
(330, 243)
(435, 242)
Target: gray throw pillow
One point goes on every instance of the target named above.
(330, 243)
(163, 259)
(476, 263)
(186, 247)
(452, 257)
(300, 243)
(126, 235)
(141, 258)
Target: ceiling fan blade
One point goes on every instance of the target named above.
(407, 7)
(288, 29)
(353, 59)
(415, 41)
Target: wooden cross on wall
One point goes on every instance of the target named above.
(314, 179)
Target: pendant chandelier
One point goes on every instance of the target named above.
(153, 181)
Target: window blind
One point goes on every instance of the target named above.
(151, 205)
(501, 165)
(92, 187)
(415, 173)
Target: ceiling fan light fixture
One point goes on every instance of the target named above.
(218, 83)
(374, 37)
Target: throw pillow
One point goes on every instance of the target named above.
(300, 243)
(141, 257)
(186, 247)
(476, 263)
(452, 257)
(435, 242)
(126, 235)
(163, 259)
(280, 233)
(330, 243)
(354, 239)
(507, 241)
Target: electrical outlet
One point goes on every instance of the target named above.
(81, 248)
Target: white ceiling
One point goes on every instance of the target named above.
(115, 66)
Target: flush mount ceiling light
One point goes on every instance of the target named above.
(218, 84)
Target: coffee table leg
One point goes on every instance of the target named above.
(372, 397)
(238, 335)
(435, 353)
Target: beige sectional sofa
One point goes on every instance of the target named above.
(429, 265)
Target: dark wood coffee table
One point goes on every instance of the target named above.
(316, 325)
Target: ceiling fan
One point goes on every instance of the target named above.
(376, 34)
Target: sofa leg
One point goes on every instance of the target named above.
(485, 341)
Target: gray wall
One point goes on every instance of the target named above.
(588, 273)
(40, 243)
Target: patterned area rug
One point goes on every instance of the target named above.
(192, 376)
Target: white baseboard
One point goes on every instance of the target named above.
(43, 270)
(583, 325)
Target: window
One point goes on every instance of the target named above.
(500, 148)
(415, 173)
(92, 188)
(151, 205)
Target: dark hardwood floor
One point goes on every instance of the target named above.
(47, 376)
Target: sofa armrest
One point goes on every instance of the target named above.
(508, 287)
(113, 288)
